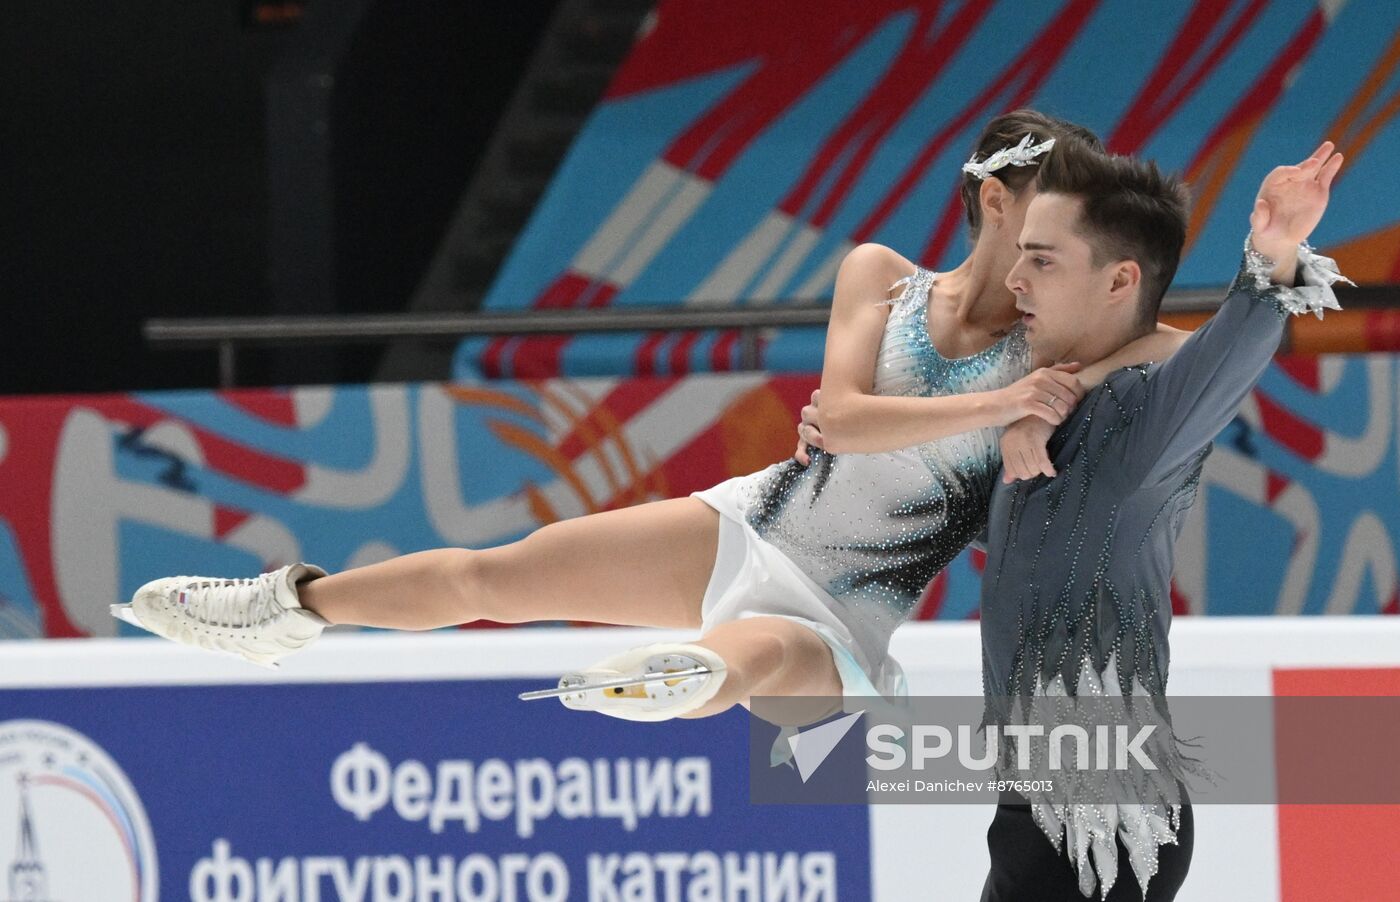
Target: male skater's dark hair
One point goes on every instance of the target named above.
(1005, 131)
(1131, 211)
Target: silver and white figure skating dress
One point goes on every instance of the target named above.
(847, 544)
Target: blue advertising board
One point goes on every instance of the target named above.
(447, 790)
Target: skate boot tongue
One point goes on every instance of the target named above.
(232, 603)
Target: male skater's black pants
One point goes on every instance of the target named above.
(1026, 867)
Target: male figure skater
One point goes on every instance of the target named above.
(1075, 595)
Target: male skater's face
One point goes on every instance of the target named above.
(1063, 295)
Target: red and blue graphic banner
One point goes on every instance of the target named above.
(1299, 511)
(745, 146)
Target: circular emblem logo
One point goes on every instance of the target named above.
(71, 826)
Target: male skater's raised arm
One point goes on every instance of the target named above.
(1195, 393)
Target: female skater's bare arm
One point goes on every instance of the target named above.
(1023, 445)
(856, 421)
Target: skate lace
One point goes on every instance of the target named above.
(233, 602)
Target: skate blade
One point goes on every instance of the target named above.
(124, 613)
(616, 683)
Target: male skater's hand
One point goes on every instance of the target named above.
(1290, 204)
(809, 431)
(1023, 450)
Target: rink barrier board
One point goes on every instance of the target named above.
(149, 704)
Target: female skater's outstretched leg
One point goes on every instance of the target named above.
(647, 565)
(638, 566)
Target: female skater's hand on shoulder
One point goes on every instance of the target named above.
(1049, 393)
(809, 433)
(1023, 450)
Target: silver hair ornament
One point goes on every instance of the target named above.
(1022, 154)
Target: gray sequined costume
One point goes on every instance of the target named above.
(1075, 599)
(872, 530)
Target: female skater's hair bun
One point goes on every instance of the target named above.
(1008, 130)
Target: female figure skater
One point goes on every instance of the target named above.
(796, 575)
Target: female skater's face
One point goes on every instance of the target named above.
(1057, 286)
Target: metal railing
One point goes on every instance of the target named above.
(227, 334)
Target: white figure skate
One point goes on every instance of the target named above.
(258, 619)
(651, 683)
